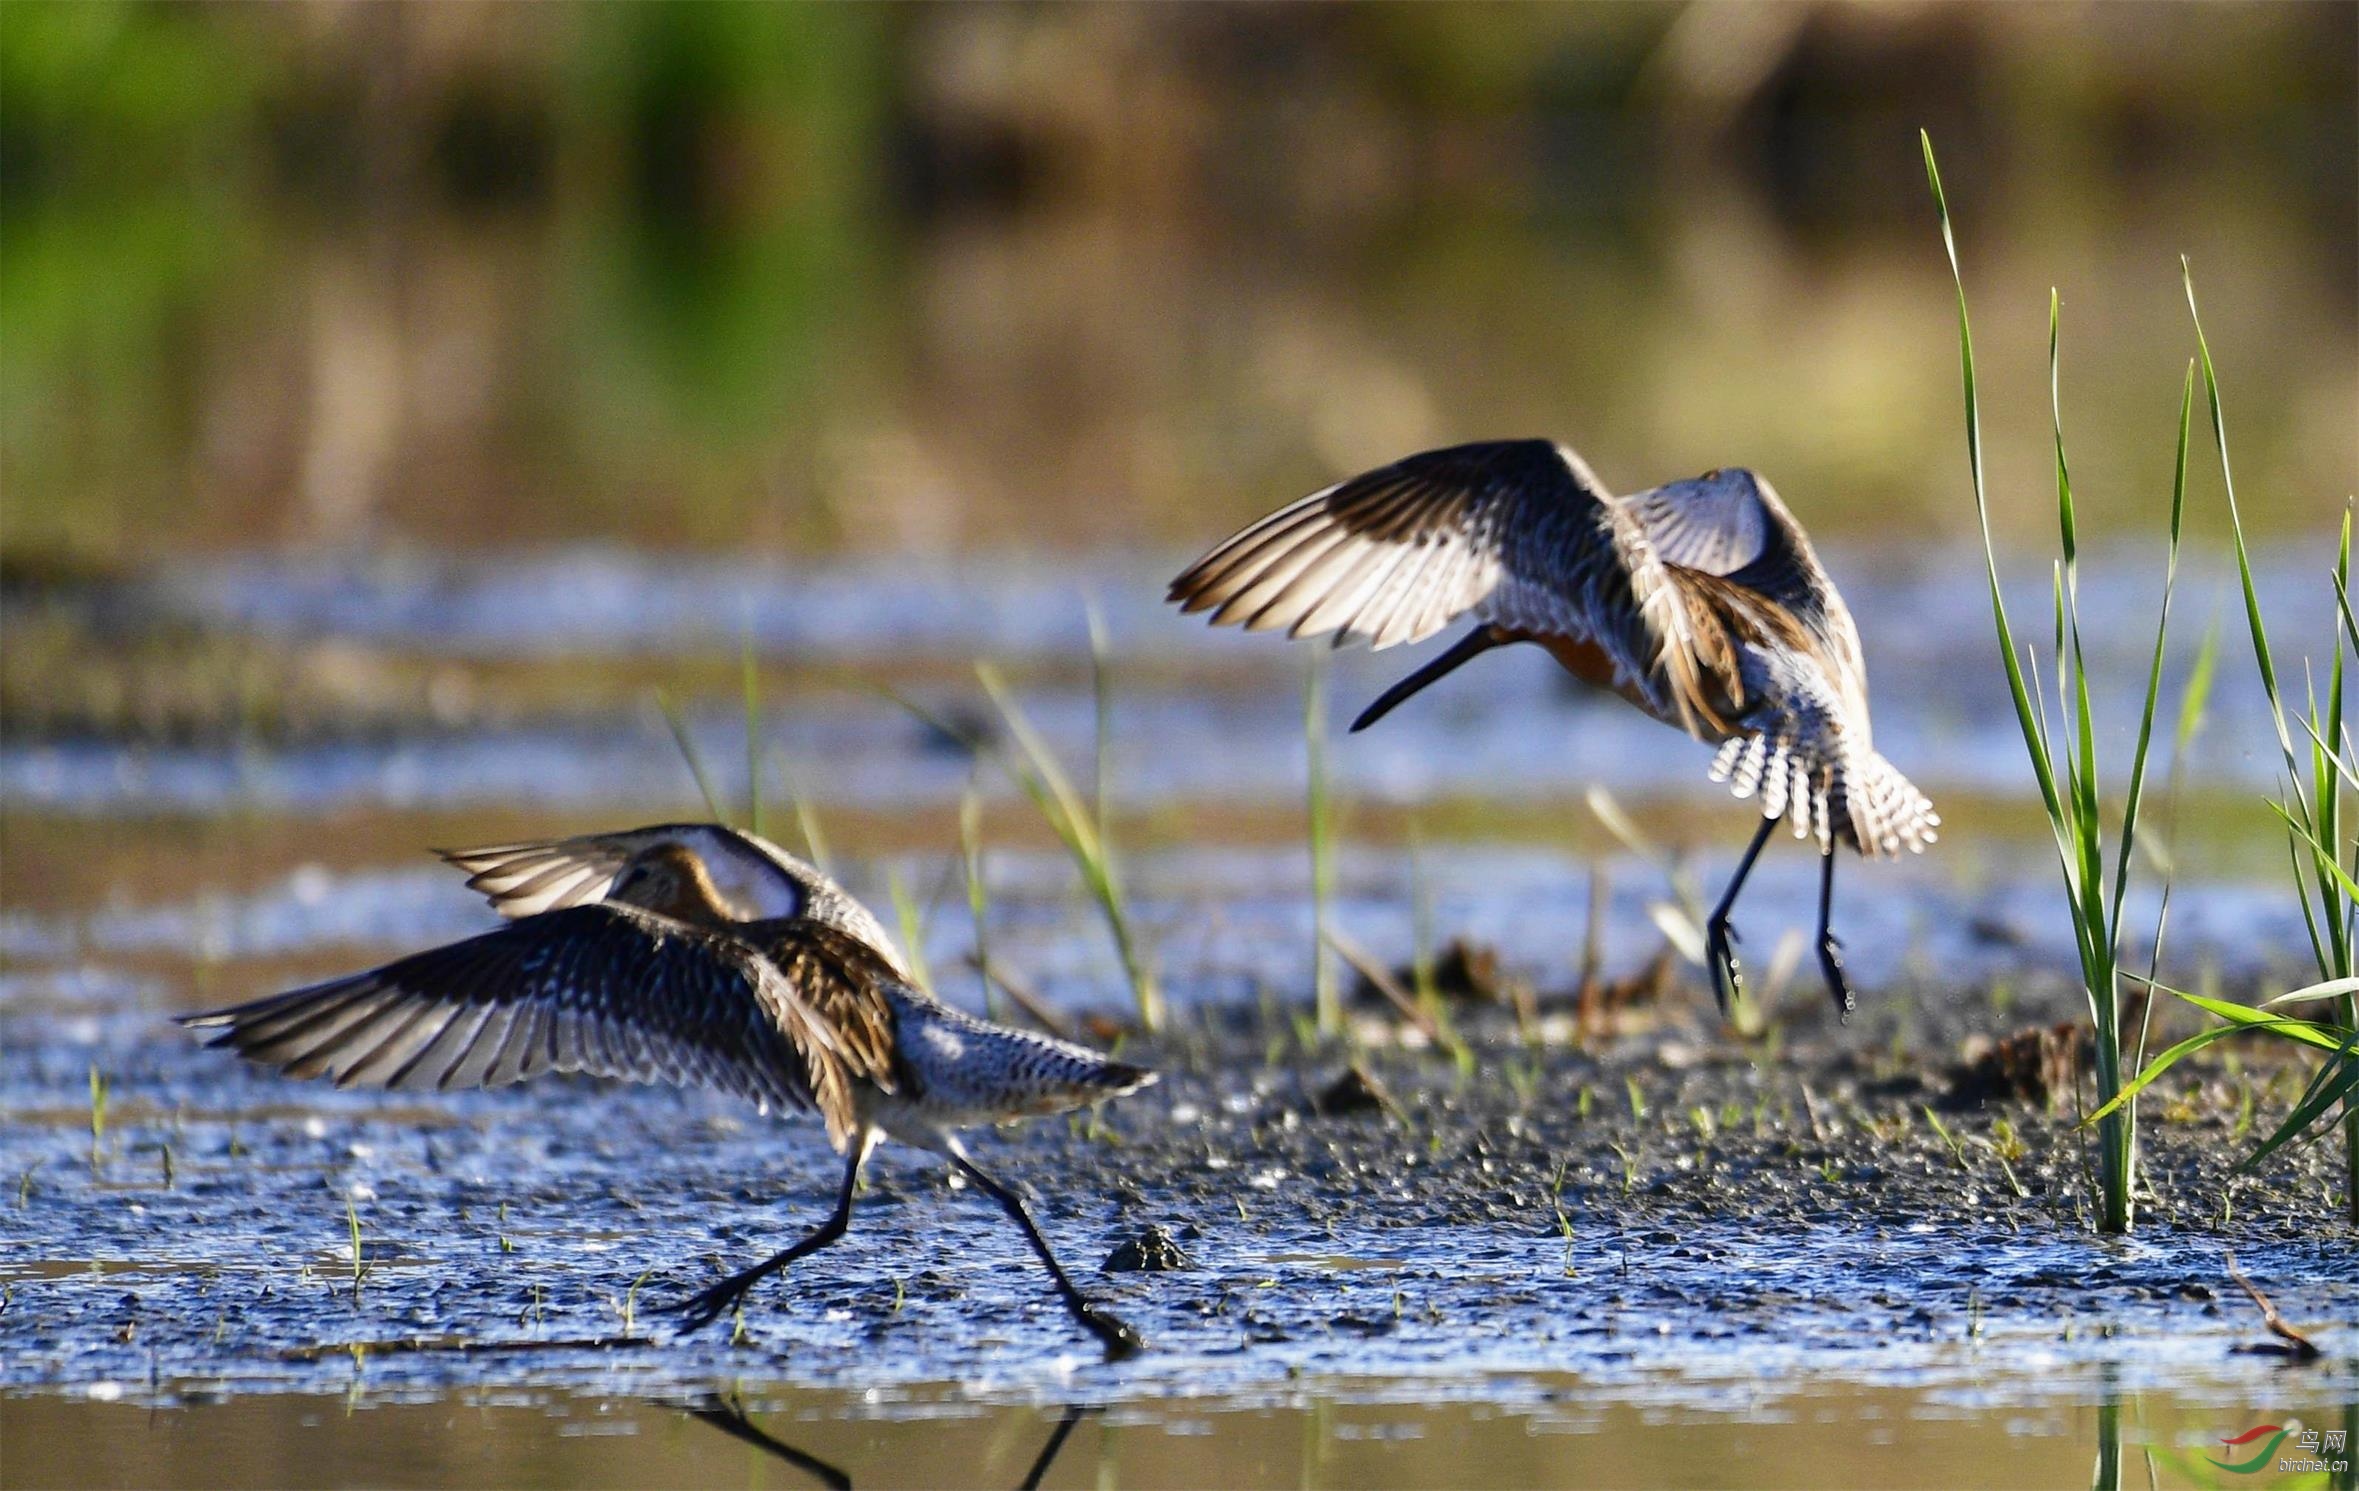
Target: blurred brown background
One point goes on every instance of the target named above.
(795, 279)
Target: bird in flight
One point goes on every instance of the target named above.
(1699, 601)
(695, 955)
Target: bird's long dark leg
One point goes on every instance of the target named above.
(1473, 645)
(713, 1303)
(1830, 951)
(1719, 937)
(1120, 1339)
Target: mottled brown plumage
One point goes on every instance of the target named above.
(1701, 602)
(628, 956)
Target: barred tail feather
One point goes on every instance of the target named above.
(1862, 800)
(1887, 813)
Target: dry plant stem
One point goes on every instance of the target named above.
(1381, 980)
(2301, 1347)
(1021, 996)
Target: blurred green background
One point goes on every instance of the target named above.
(800, 279)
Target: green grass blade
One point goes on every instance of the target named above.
(751, 688)
(2066, 522)
(2301, 881)
(2034, 739)
(806, 815)
(1044, 781)
(2346, 770)
(2342, 599)
(2244, 566)
(2326, 786)
(970, 854)
(2170, 576)
(1101, 695)
(2329, 868)
(687, 748)
(2072, 681)
(2306, 1032)
(2163, 1062)
(1327, 999)
(2336, 1080)
(1041, 760)
(912, 922)
(2197, 692)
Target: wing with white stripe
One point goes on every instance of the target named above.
(604, 989)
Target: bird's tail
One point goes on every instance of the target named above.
(1858, 798)
(969, 1064)
(1886, 811)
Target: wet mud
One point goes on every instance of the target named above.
(1673, 1201)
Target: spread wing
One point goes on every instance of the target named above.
(1516, 533)
(605, 989)
(527, 878)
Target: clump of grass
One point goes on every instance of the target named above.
(2310, 806)
(2314, 821)
(1037, 772)
(2068, 770)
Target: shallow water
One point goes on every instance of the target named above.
(1349, 1315)
(1369, 1304)
(1548, 1430)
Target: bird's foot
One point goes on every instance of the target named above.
(1830, 962)
(711, 1304)
(1728, 980)
(1119, 1339)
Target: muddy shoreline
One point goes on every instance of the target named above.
(1668, 1198)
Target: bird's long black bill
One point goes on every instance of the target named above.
(1473, 645)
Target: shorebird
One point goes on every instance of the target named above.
(1699, 601)
(695, 955)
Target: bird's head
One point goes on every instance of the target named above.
(671, 880)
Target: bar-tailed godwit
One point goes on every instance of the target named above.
(1699, 601)
(694, 955)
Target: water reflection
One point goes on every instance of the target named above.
(729, 1416)
(2107, 1474)
(1997, 1430)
